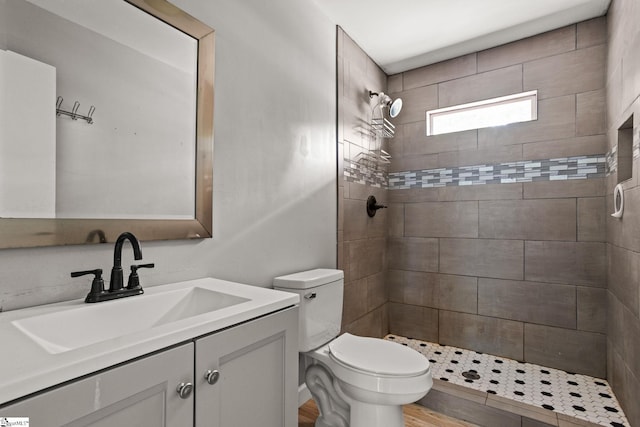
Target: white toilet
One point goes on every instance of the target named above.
(355, 381)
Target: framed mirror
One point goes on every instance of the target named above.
(127, 143)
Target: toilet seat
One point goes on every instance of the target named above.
(353, 368)
(376, 356)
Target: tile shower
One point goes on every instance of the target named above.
(496, 239)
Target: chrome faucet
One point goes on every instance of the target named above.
(116, 272)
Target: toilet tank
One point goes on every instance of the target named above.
(320, 293)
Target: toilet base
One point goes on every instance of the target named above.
(334, 411)
(366, 415)
(338, 410)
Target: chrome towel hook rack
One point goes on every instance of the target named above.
(74, 111)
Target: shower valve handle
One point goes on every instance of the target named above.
(373, 206)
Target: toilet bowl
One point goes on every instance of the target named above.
(374, 377)
(355, 381)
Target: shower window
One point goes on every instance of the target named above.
(520, 107)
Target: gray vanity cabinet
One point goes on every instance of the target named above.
(257, 374)
(140, 393)
(252, 382)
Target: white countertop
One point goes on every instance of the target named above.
(26, 367)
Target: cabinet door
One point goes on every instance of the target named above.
(258, 374)
(137, 394)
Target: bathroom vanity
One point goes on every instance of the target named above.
(192, 363)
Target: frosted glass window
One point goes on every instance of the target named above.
(521, 107)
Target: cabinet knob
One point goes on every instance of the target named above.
(212, 376)
(184, 390)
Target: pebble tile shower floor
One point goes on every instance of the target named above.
(578, 396)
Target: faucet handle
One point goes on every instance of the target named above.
(134, 279)
(97, 285)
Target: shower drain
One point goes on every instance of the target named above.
(471, 375)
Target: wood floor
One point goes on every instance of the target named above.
(414, 416)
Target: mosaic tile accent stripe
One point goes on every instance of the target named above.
(565, 168)
(612, 160)
(574, 395)
(363, 173)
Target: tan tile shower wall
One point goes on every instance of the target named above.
(362, 241)
(517, 270)
(623, 235)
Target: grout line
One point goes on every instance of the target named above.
(477, 296)
(577, 220)
(575, 115)
(524, 260)
(576, 291)
(524, 341)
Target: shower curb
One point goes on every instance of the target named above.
(500, 403)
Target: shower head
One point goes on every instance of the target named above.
(385, 100)
(395, 107)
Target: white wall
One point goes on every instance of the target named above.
(27, 137)
(274, 163)
(143, 128)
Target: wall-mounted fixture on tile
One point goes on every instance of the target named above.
(618, 201)
(373, 206)
(379, 123)
(384, 100)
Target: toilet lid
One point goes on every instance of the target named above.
(377, 356)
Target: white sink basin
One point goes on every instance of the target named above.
(66, 330)
(47, 345)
